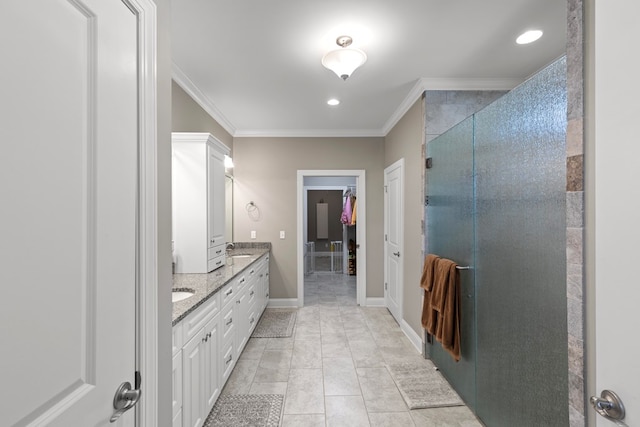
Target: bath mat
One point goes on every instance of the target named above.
(255, 410)
(275, 323)
(422, 386)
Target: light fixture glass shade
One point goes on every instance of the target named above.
(344, 61)
(228, 162)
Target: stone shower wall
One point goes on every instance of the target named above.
(575, 213)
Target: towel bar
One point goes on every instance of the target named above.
(467, 267)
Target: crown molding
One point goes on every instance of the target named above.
(414, 94)
(200, 98)
(445, 84)
(309, 133)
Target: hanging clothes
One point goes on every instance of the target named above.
(353, 214)
(345, 218)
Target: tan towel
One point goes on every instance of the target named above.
(448, 328)
(441, 305)
(426, 283)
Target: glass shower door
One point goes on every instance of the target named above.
(450, 234)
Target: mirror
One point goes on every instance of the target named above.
(228, 203)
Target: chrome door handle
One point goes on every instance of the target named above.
(397, 254)
(125, 399)
(608, 405)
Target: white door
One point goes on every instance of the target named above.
(393, 236)
(617, 203)
(68, 184)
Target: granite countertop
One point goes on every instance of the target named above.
(206, 285)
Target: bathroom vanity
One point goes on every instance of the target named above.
(211, 327)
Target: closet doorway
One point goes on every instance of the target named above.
(331, 249)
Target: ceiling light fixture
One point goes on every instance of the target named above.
(333, 102)
(344, 61)
(529, 37)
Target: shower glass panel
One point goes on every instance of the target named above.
(521, 373)
(450, 234)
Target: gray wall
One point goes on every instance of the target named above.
(405, 141)
(335, 201)
(266, 171)
(188, 116)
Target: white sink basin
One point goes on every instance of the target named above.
(181, 294)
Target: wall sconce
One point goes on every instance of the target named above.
(228, 162)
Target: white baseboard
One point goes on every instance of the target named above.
(282, 302)
(412, 335)
(375, 302)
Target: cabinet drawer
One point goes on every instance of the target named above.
(196, 320)
(241, 281)
(228, 323)
(252, 273)
(216, 241)
(215, 251)
(176, 338)
(251, 294)
(177, 384)
(252, 317)
(227, 293)
(227, 362)
(215, 263)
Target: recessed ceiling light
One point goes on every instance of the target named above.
(333, 102)
(529, 37)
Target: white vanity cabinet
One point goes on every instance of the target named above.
(209, 340)
(262, 284)
(198, 206)
(201, 383)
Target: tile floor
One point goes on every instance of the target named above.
(332, 370)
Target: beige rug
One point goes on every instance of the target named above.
(422, 386)
(275, 323)
(243, 410)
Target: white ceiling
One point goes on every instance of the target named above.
(254, 65)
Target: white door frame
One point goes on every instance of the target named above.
(399, 164)
(361, 264)
(147, 292)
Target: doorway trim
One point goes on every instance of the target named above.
(147, 238)
(361, 265)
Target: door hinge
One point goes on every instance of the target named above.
(386, 286)
(386, 238)
(385, 188)
(426, 200)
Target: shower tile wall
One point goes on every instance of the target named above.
(447, 108)
(575, 213)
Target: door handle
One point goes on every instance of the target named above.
(397, 254)
(124, 399)
(608, 405)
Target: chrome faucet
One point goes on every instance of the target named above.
(230, 246)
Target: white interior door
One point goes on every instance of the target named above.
(617, 203)
(68, 182)
(393, 236)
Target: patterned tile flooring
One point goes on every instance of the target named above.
(332, 370)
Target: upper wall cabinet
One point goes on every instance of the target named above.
(198, 193)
